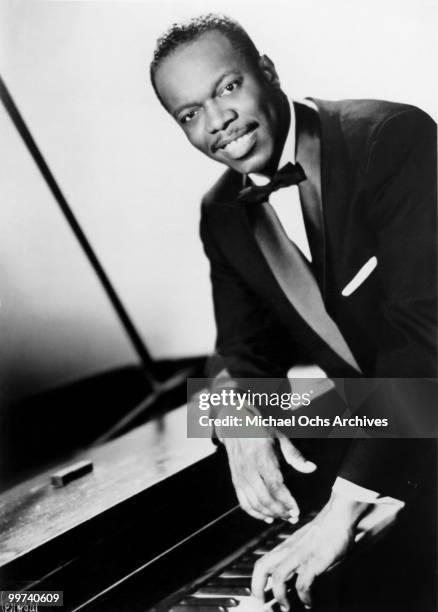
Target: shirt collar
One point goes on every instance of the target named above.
(288, 153)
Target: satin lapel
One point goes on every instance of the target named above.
(308, 153)
(288, 280)
(284, 263)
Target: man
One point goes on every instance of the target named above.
(364, 173)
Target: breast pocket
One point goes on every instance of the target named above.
(360, 277)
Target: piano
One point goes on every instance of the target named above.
(132, 531)
(138, 527)
(155, 525)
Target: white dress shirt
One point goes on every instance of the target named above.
(287, 205)
(286, 201)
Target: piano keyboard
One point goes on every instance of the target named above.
(229, 587)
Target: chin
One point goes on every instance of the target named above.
(257, 164)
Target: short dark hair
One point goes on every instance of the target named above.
(189, 31)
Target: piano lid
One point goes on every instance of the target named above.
(35, 512)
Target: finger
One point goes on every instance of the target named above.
(278, 582)
(247, 499)
(294, 457)
(260, 575)
(303, 586)
(248, 483)
(258, 515)
(261, 483)
(259, 499)
(283, 495)
(249, 509)
(277, 492)
(269, 497)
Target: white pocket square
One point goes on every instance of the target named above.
(360, 277)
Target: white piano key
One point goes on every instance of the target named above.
(246, 603)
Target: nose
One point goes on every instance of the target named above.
(218, 117)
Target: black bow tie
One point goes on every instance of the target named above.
(289, 174)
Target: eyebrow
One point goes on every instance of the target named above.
(216, 84)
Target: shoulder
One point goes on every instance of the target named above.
(370, 133)
(219, 199)
(223, 191)
(366, 113)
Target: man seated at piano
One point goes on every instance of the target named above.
(355, 292)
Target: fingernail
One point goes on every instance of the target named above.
(293, 520)
(294, 512)
(284, 609)
(269, 520)
(308, 607)
(311, 465)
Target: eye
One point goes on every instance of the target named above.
(187, 117)
(229, 88)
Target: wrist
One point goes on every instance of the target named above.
(347, 510)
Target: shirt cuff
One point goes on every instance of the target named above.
(355, 492)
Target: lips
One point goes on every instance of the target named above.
(238, 144)
(223, 142)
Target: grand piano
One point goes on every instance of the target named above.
(139, 520)
(155, 524)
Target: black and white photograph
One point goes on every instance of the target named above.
(218, 306)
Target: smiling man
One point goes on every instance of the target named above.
(321, 235)
(246, 135)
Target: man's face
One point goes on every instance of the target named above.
(228, 110)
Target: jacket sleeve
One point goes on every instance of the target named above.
(400, 186)
(403, 215)
(250, 342)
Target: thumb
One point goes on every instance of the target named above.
(294, 457)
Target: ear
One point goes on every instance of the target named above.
(267, 67)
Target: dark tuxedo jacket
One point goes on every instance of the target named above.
(377, 173)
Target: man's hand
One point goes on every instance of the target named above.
(309, 552)
(257, 478)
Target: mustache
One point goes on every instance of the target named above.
(231, 135)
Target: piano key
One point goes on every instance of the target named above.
(224, 590)
(247, 603)
(227, 602)
(234, 584)
(269, 595)
(251, 559)
(244, 564)
(231, 581)
(191, 608)
(234, 572)
(261, 550)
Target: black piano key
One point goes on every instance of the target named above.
(269, 595)
(244, 564)
(251, 559)
(261, 552)
(234, 572)
(190, 608)
(227, 602)
(222, 589)
(234, 581)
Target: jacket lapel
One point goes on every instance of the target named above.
(308, 153)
